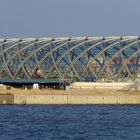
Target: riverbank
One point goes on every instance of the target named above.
(59, 97)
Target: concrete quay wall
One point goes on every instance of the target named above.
(51, 99)
(6, 99)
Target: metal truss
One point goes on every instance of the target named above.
(77, 58)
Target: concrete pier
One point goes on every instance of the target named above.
(78, 93)
(51, 99)
(6, 99)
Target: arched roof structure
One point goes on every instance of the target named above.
(114, 58)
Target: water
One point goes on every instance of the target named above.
(69, 122)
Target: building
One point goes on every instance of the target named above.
(114, 58)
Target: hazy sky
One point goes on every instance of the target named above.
(56, 18)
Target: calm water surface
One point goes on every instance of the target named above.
(69, 122)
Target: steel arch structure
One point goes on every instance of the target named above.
(114, 58)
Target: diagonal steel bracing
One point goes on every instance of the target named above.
(77, 58)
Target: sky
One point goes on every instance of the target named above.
(62, 18)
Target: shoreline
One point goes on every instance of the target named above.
(70, 97)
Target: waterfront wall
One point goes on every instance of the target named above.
(76, 99)
(6, 99)
(69, 97)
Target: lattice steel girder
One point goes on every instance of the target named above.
(79, 58)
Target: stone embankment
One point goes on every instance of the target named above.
(77, 99)
(68, 97)
(77, 93)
